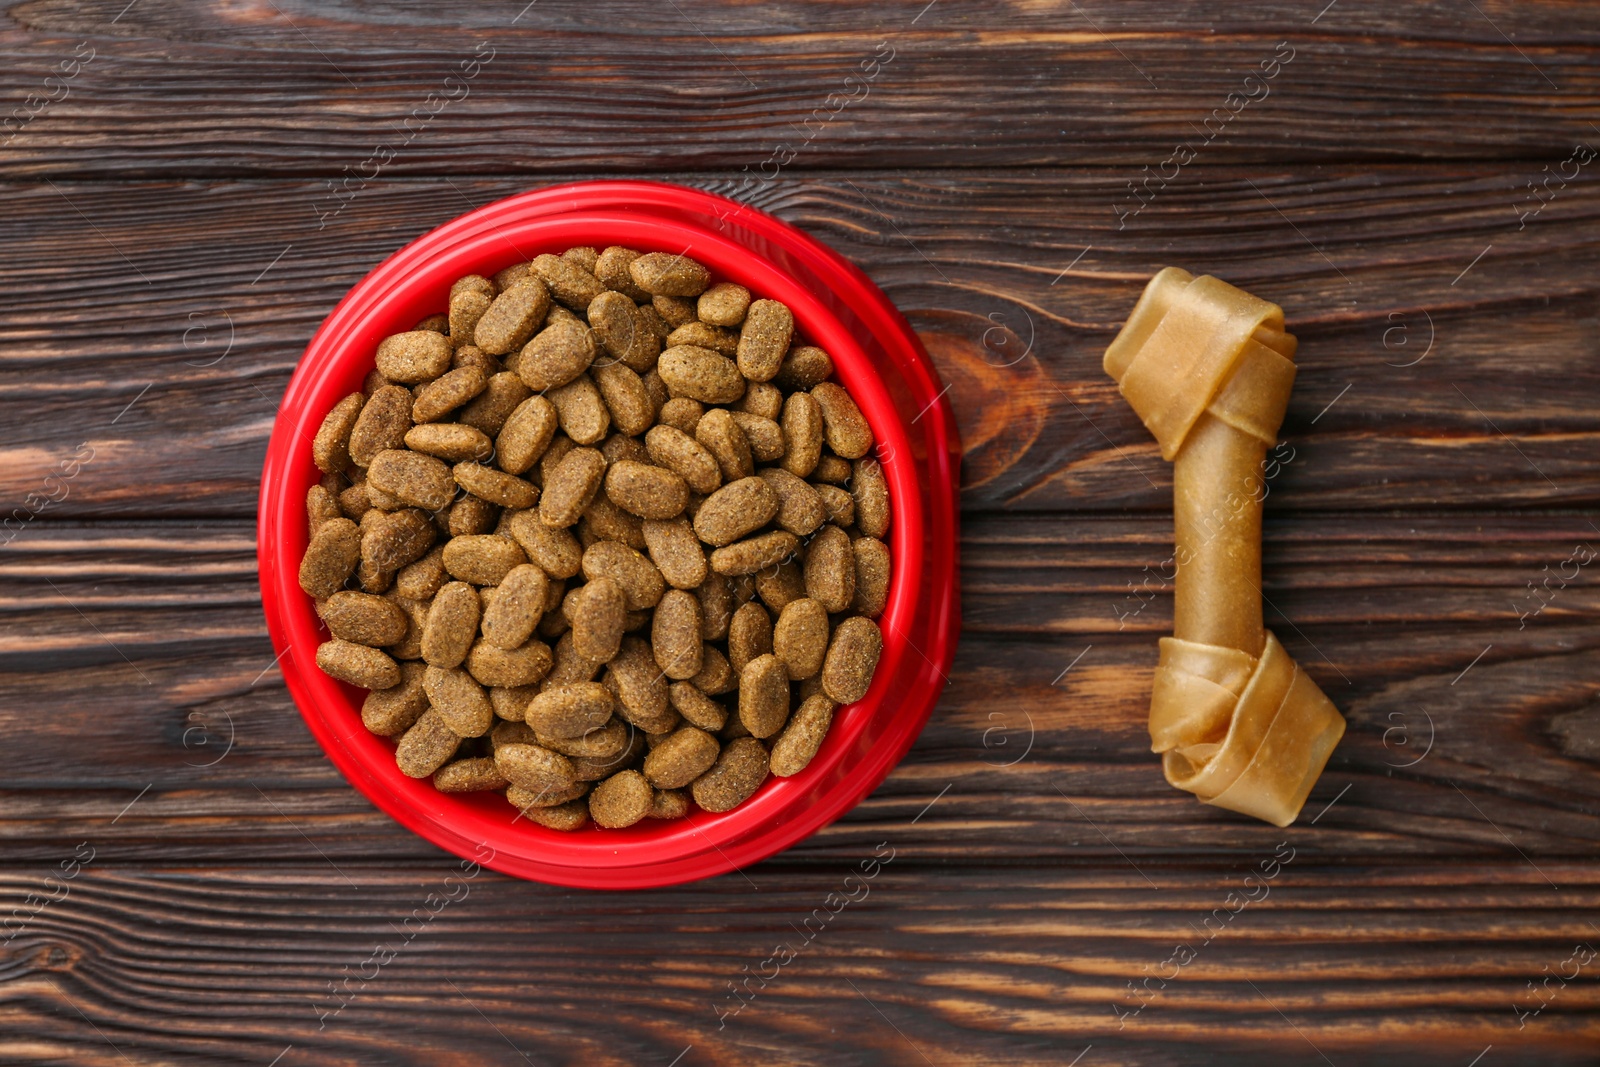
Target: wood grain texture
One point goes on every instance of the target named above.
(190, 204)
(1015, 283)
(196, 89)
(1008, 966)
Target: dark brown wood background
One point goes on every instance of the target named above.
(169, 246)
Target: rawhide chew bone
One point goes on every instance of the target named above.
(1208, 368)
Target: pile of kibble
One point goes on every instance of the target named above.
(604, 537)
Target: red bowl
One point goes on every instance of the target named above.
(878, 358)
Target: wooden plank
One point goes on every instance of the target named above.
(196, 90)
(1472, 731)
(887, 963)
(159, 323)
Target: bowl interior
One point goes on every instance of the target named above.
(393, 298)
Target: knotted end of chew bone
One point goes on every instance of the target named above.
(1194, 345)
(1244, 733)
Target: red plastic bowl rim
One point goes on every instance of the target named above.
(483, 241)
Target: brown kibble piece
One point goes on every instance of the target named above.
(510, 703)
(696, 708)
(597, 617)
(632, 411)
(565, 817)
(415, 479)
(700, 374)
(495, 404)
(779, 586)
(675, 635)
(872, 576)
(623, 332)
(535, 767)
(475, 775)
(852, 658)
(417, 356)
(471, 515)
(571, 486)
(391, 712)
(764, 695)
(511, 613)
(421, 579)
(466, 308)
(669, 804)
(800, 637)
(803, 432)
(749, 635)
(612, 270)
(724, 304)
(570, 710)
(526, 434)
(482, 559)
(764, 339)
(330, 450)
(363, 619)
(870, 488)
(452, 624)
(735, 510)
(508, 668)
(721, 341)
(664, 274)
(680, 758)
(647, 491)
(513, 317)
(642, 584)
(558, 354)
(357, 664)
(763, 435)
(320, 507)
(390, 540)
(447, 392)
(722, 436)
(473, 356)
(840, 505)
(460, 700)
(716, 604)
(800, 507)
(640, 688)
(382, 423)
(556, 551)
(604, 521)
(427, 746)
(832, 470)
(676, 552)
(844, 427)
(738, 773)
(716, 674)
(497, 487)
(800, 740)
(755, 553)
(582, 410)
(763, 399)
(568, 281)
(452, 441)
(330, 558)
(831, 569)
(539, 802)
(681, 413)
(676, 450)
(804, 367)
(621, 800)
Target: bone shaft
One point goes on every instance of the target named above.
(1217, 494)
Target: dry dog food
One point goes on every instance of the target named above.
(603, 537)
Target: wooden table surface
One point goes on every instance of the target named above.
(188, 188)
